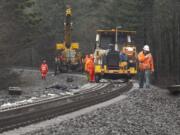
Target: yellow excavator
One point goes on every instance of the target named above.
(68, 57)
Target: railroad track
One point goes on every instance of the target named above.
(19, 116)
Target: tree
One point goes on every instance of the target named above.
(16, 24)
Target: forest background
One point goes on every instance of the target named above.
(29, 30)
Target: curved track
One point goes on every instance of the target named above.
(45, 109)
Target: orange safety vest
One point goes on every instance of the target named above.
(89, 65)
(86, 63)
(85, 59)
(145, 61)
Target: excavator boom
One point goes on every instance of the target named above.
(68, 53)
(68, 28)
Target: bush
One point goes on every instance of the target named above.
(8, 78)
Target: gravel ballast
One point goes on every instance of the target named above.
(34, 87)
(144, 111)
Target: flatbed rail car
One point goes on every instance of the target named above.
(115, 54)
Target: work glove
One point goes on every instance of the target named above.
(152, 71)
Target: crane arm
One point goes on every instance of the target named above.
(68, 28)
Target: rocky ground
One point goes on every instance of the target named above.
(143, 112)
(33, 87)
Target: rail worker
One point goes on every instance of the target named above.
(123, 56)
(146, 67)
(56, 64)
(91, 68)
(44, 70)
(86, 61)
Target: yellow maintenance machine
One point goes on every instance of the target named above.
(115, 54)
(68, 55)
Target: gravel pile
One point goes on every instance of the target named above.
(33, 87)
(143, 112)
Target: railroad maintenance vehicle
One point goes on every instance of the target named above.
(115, 54)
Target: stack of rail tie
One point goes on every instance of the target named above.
(15, 91)
(174, 89)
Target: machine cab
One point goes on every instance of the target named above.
(118, 38)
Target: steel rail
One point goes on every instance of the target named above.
(80, 91)
(24, 115)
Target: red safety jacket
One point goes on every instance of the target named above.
(90, 66)
(44, 68)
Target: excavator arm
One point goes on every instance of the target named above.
(68, 50)
(68, 28)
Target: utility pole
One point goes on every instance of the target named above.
(116, 38)
(32, 57)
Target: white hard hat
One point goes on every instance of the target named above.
(146, 48)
